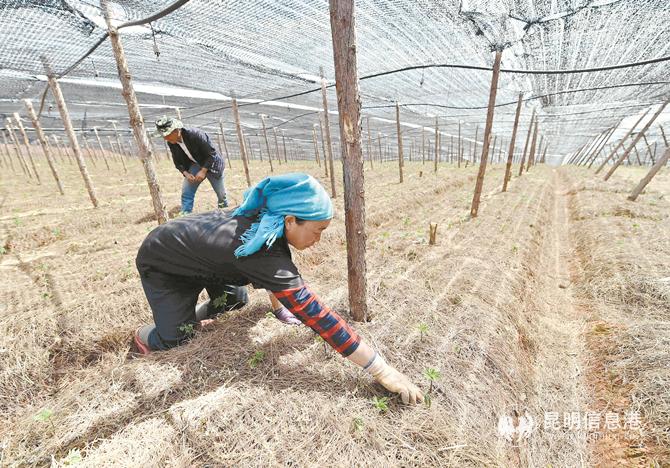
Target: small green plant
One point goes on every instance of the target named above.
(382, 404)
(187, 329)
(221, 301)
(3, 250)
(358, 424)
(432, 375)
(73, 457)
(256, 359)
(269, 314)
(423, 330)
(427, 400)
(44, 415)
(635, 225)
(515, 248)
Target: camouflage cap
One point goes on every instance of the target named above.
(166, 125)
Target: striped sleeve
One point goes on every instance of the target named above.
(305, 305)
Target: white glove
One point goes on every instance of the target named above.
(393, 380)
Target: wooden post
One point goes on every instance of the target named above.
(379, 143)
(460, 145)
(437, 144)
(316, 145)
(136, 120)
(240, 138)
(323, 145)
(7, 153)
(343, 28)
(600, 146)
(326, 124)
(423, 145)
(17, 148)
(102, 148)
(487, 136)
(400, 153)
(637, 138)
(26, 142)
(651, 155)
(650, 175)
(267, 142)
(90, 154)
(621, 142)
(65, 116)
(525, 148)
(58, 147)
(43, 141)
(283, 141)
(120, 147)
(225, 145)
(274, 131)
(665, 140)
(474, 147)
(432, 233)
(533, 147)
(512, 142)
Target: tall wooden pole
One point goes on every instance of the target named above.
(601, 145)
(223, 141)
(528, 138)
(43, 141)
(326, 124)
(474, 147)
(136, 120)
(665, 139)
(316, 145)
(400, 154)
(621, 143)
(65, 116)
(379, 143)
(17, 147)
(487, 136)
(369, 143)
(274, 131)
(283, 141)
(650, 175)
(7, 153)
(323, 145)
(343, 28)
(423, 145)
(460, 145)
(120, 147)
(102, 148)
(240, 138)
(26, 143)
(533, 146)
(267, 142)
(637, 138)
(512, 142)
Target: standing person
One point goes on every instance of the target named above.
(195, 158)
(222, 252)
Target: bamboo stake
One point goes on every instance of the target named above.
(26, 143)
(512, 142)
(343, 28)
(240, 138)
(637, 138)
(487, 136)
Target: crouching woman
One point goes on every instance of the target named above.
(223, 252)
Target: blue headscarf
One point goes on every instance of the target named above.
(297, 194)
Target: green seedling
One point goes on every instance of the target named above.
(515, 248)
(423, 329)
(382, 404)
(187, 329)
(358, 424)
(45, 416)
(432, 375)
(269, 314)
(3, 250)
(256, 359)
(221, 301)
(73, 457)
(427, 400)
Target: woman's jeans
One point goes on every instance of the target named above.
(188, 190)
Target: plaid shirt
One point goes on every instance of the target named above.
(305, 305)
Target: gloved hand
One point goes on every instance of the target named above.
(394, 381)
(283, 315)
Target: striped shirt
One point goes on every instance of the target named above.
(305, 305)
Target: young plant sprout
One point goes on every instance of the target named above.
(423, 329)
(221, 301)
(358, 424)
(382, 404)
(187, 329)
(432, 375)
(256, 359)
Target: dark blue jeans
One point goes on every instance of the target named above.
(173, 299)
(188, 189)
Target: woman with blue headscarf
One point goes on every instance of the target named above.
(222, 253)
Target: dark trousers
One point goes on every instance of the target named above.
(173, 299)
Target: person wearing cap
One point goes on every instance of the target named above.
(223, 252)
(195, 158)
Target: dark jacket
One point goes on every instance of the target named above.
(202, 150)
